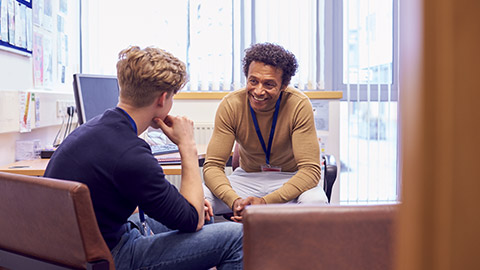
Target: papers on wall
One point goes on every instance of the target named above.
(63, 6)
(37, 10)
(27, 104)
(38, 60)
(4, 20)
(320, 113)
(28, 21)
(37, 111)
(26, 150)
(47, 62)
(62, 48)
(47, 20)
(20, 26)
(38, 29)
(15, 26)
(11, 21)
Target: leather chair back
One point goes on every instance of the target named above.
(47, 222)
(319, 237)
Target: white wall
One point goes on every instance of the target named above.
(200, 111)
(15, 71)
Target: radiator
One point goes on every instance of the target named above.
(203, 132)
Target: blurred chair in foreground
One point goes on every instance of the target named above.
(319, 237)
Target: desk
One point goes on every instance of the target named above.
(36, 167)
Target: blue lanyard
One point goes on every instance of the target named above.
(132, 122)
(272, 130)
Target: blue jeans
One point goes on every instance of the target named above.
(217, 244)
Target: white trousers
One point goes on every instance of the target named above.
(259, 184)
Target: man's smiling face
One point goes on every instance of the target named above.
(264, 85)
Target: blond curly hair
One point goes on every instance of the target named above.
(144, 74)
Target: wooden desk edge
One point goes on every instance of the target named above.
(39, 171)
(25, 171)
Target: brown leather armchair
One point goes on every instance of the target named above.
(319, 237)
(49, 224)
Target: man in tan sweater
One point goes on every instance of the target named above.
(274, 127)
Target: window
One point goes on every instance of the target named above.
(210, 55)
(368, 76)
(294, 25)
(210, 36)
(110, 26)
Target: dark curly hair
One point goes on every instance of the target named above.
(273, 55)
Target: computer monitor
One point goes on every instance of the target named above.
(94, 94)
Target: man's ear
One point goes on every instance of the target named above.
(160, 101)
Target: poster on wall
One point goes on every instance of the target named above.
(320, 113)
(63, 6)
(47, 62)
(11, 21)
(4, 20)
(37, 60)
(37, 9)
(61, 48)
(27, 100)
(21, 30)
(47, 19)
(39, 29)
(15, 26)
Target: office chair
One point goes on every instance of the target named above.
(330, 170)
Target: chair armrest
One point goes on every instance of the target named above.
(330, 174)
(50, 222)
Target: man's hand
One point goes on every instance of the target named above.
(240, 204)
(208, 210)
(179, 129)
(237, 210)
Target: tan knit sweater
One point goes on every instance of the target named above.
(294, 147)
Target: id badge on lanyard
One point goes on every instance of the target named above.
(267, 167)
(270, 168)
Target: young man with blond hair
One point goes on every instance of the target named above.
(118, 167)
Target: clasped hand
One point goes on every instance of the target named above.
(208, 210)
(240, 204)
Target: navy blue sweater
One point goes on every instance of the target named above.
(119, 169)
